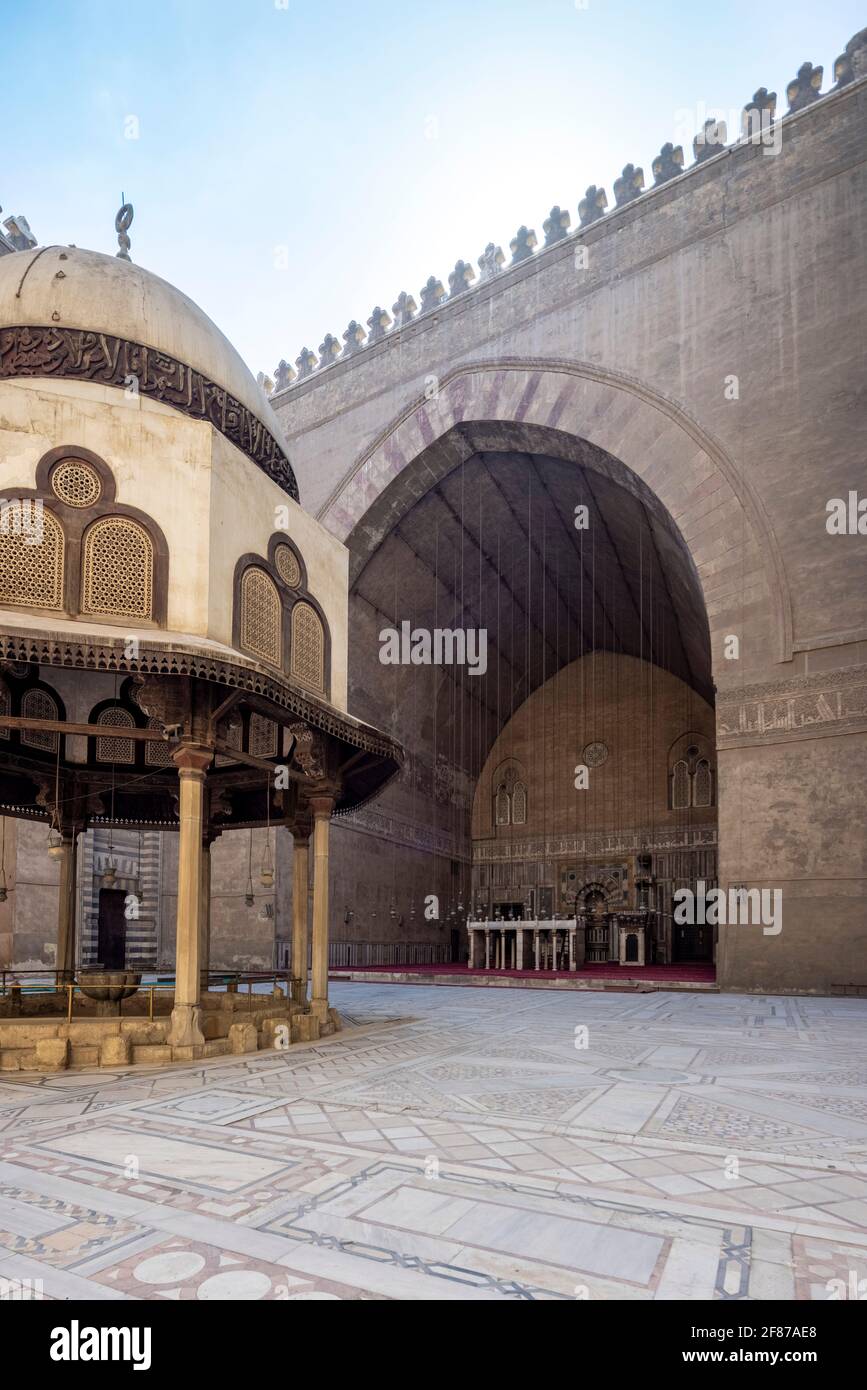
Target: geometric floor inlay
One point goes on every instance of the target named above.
(460, 1144)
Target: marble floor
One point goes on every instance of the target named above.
(460, 1144)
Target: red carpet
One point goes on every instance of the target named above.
(701, 973)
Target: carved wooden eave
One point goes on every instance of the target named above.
(193, 691)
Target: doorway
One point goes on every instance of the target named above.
(691, 944)
(112, 928)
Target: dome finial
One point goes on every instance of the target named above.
(122, 224)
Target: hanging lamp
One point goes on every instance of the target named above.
(110, 871)
(249, 896)
(3, 893)
(137, 880)
(266, 872)
(55, 834)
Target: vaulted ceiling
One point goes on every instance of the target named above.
(491, 542)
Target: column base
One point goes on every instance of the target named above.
(327, 1018)
(186, 1027)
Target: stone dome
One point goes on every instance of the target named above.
(70, 288)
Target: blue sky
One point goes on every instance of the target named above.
(298, 163)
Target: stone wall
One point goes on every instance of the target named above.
(711, 340)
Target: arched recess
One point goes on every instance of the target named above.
(717, 510)
(457, 483)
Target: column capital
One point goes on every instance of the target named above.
(191, 758)
(322, 803)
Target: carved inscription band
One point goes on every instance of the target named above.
(87, 356)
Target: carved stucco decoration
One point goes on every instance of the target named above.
(44, 793)
(309, 751)
(84, 355)
(95, 804)
(220, 804)
(800, 707)
(628, 842)
(163, 700)
(609, 887)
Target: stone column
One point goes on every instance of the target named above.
(580, 942)
(66, 904)
(321, 806)
(487, 950)
(519, 948)
(613, 938)
(300, 855)
(185, 1035)
(205, 932)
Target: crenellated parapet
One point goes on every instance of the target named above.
(711, 140)
(667, 164)
(592, 205)
(758, 125)
(852, 62)
(491, 261)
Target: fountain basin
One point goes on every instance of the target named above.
(109, 986)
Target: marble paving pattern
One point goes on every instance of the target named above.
(460, 1144)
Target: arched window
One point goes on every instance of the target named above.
(38, 704)
(287, 564)
(680, 786)
(519, 804)
(115, 750)
(263, 737)
(76, 483)
(157, 754)
(702, 784)
(261, 616)
(117, 569)
(5, 706)
(308, 646)
(31, 555)
(502, 806)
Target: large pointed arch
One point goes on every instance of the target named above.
(716, 508)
